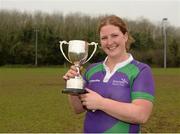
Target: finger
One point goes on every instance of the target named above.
(83, 100)
(82, 96)
(76, 68)
(83, 103)
(70, 74)
(65, 77)
(73, 68)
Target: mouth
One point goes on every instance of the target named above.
(112, 48)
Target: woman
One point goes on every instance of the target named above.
(120, 89)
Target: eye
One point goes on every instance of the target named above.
(114, 35)
(103, 37)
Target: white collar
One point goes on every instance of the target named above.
(120, 64)
(117, 66)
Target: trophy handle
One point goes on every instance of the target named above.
(95, 48)
(61, 48)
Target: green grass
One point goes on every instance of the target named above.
(166, 113)
(31, 101)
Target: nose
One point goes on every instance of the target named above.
(109, 41)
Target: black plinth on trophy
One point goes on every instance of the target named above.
(74, 91)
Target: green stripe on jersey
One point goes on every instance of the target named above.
(131, 71)
(142, 95)
(120, 127)
(93, 70)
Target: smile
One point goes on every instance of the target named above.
(112, 48)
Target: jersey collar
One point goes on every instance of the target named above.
(121, 64)
(118, 65)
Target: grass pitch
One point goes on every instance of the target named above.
(31, 102)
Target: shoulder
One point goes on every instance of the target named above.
(144, 74)
(94, 66)
(133, 69)
(136, 68)
(143, 84)
(140, 66)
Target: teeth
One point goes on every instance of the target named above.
(111, 48)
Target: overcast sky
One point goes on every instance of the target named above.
(154, 10)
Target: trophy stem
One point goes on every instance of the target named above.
(78, 68)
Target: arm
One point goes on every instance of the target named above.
(136, 112)
(76, 104)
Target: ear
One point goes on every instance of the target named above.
(126, 37)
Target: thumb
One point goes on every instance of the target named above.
(89, 90)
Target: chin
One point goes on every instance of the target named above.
(112, 55)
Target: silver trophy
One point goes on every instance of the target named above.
(77, 55)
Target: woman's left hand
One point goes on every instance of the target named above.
(91, 100)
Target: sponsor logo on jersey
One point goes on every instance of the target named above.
(121, 82)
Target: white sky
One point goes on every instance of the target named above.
(154, 10)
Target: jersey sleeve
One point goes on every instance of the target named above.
(91, 69)
(143, 85)
(85, 80)
(85, 76)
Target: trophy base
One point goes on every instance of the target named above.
(74, 91)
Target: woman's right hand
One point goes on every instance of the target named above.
(71, 73)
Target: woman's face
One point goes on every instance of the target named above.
(113, 41)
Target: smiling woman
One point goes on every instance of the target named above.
(120, 89)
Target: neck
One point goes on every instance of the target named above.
(114, 60)
(111, 61)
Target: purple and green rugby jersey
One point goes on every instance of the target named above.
(130, 80)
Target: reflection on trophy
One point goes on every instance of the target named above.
(77, 55)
